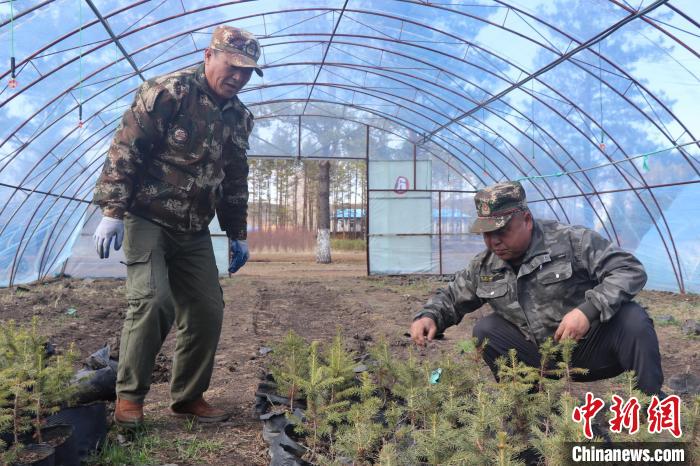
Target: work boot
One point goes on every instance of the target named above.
(200, 410)
(128, 414)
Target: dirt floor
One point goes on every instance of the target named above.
(267, 298)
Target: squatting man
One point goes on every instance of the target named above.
(546, 279)
(177, 158)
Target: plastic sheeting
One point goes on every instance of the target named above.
(593, 136)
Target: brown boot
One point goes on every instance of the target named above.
(128, 414)
(200, 410)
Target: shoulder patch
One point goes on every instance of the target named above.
(149, 95)
(176, 86)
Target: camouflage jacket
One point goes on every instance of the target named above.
(565, 267)
(178, 157)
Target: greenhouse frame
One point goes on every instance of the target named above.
(590, 104)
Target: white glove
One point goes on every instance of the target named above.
(107, 229)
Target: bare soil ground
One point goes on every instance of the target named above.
(267, 298)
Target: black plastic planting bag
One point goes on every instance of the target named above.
(98, 381)
(89, 426)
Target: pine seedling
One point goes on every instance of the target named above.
(315, 386)
(17, 375)
(548, 354)
(341, 365)
(53, 384)
(360, 438)
(388, 455)
(481, 420)
(514, 396)
(289, 364)
(505, 452)
(564, 369)
(411, 382)
(550, 443)
(473, 350)
(384, 369)
(437, 442)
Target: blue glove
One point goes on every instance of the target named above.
(108, 229)
(239, 254)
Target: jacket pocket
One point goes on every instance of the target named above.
(491, 290)
(173, 176)
(139, 276)
(555, 272)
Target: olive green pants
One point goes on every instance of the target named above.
(171, 277)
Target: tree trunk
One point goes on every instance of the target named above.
(323, 238)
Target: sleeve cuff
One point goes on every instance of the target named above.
(114, 212)
(239, 235)
(590, 311)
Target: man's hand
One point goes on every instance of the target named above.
(574, 325)
(107, 229)
(239, 254)
(422, 328)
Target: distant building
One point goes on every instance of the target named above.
(349, 220)
(451, 220)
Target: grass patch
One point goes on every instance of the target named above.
(340, 244)
(146, 446)
(193, 448)
(139, 449)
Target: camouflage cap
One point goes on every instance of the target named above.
(496, 204)
(242, 46)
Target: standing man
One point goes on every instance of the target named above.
(545, 279)
(178, 157)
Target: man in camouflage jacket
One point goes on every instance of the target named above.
(545, 279)
(178, 157)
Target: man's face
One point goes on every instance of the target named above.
(511, 242)
(224, 78)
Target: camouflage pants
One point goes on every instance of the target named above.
(171, 278)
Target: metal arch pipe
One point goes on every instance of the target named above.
(466, 128)
(678, 272)
(2, 210)
(614, 66)
(20, 252)
(50, 172)
(679, 278)
(20, 249)
(25, 12)
(49, 247)
(553, 159)
(115, 40)
(64, 138)
(656, 26)
(325, 54)
(555, 63)
(651, 94)
(485, 70)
